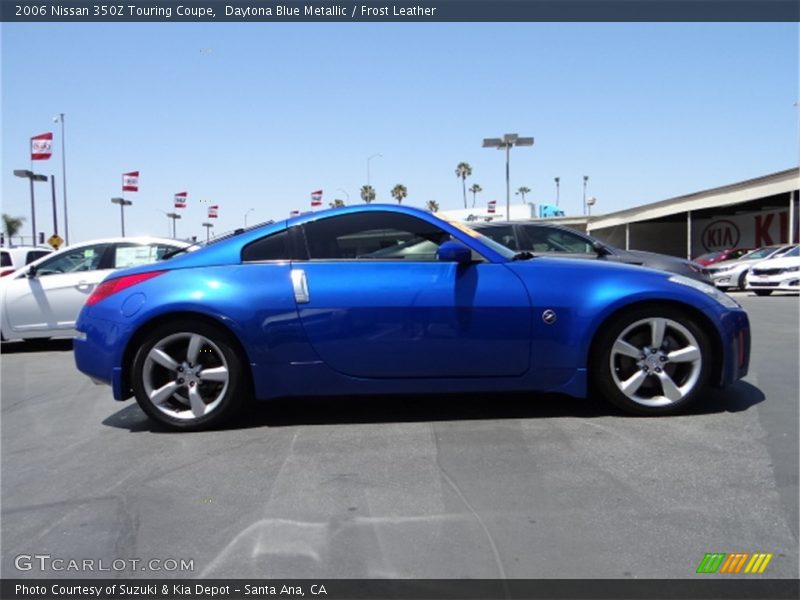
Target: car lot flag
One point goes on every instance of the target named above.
(42, 146)
(180, 200)
(213, 211)
(130, 181)
(492, 207)
(316, 198)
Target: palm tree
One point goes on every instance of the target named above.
(337, 203)
(399, 192)
(522, 191)
(12, 225)
(367, 193)
(432, 206)
(475, 188)
(463, 170)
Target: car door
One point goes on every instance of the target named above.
(375, 302)
(51, 299)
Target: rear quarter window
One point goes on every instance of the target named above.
(5, 259)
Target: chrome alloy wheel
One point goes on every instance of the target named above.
(185, 376)
(656, 362)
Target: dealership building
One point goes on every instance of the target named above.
(752, 213)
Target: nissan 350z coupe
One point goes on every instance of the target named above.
(381, 299)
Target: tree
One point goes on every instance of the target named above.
(522, 191)
(337, 203)
(367, 193)
(463, 170)
(12, 225)
(432, 206)
(399, 192)
(475, 188)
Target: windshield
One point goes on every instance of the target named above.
(761, 252)
(794, 252)
(214, 240)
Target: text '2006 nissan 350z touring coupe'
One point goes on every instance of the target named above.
(380, 299)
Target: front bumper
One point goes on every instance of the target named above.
(98, 352)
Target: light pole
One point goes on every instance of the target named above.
(376, 155)
(508, 141)
(345, 191)
(585, 181)
(30, 175)
(122, 204)
(558, 189)
(60, 119)
(245, 216)
(55, 212)
(208, 227)
(174, 217)
(590, 202)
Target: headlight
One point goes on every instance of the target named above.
(706, 288)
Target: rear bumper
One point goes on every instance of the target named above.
(98, 354)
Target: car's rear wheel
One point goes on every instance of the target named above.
(188, 375)
(651, 361)
(762, 292)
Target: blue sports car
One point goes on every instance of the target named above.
(380, 299)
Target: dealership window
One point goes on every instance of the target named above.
(373, 236)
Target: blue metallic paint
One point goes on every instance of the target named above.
(383, 327)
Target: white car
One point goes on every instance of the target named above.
(43, 299)
(17, 257)
(781, 273)
(730, 274)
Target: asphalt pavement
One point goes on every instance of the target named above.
(518, 486)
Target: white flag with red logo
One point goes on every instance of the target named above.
(492, 207)
(42, 146)
(130, 181)
(316, 198)
(213, 211)
(180, 200)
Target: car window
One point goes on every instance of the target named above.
(373, 235)
(35, 255)
(547, 239)
(5, 259)
(793, 252)
(502, 235)
(762, 252)
(272, 247)
(133, 255)
(86, 258)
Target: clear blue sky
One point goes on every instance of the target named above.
(259, 115)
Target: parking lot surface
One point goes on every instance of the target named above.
(429, 487)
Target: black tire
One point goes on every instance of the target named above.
(762, 292)
(742, 283)
(658, 385)
(216, 355)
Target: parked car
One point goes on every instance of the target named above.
(720, 255)
(319, 305)
(545, 239)
(17, 257)
(782, 273)
(43, 299)
(730, 274)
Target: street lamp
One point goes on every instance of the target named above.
(245, 216)
(558, 189)
(174, 217)
(585, 181)
(60, 119)
(508, 141)
(376, 155)
(122, 204)
(32, 177)
(590, 202)
(208, 227)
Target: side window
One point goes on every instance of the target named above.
(35, 255)
(546, 239)
(80, 259)
(271, 247)
(133, 255)
(5, 259)
(502, 235)
(373, 236)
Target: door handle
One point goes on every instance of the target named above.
(84, 285)
(300, 286)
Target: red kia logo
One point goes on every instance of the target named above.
(719, 235)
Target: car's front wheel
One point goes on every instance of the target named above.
(188, 375)
(651, 361)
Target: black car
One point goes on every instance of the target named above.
(555, 240)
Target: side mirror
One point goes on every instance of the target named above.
(32, 270)
(456, 252)
(600, 249)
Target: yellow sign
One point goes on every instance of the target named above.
(55, 241)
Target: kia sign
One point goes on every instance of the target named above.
(720, 234)
(751, 230)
